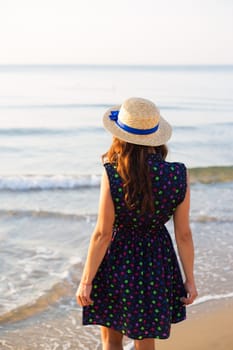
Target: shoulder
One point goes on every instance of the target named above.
(106, 164)
(105, 160)
(177, 175)
(110, 170)
(177, 170)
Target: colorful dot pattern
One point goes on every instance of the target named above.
(138, 286)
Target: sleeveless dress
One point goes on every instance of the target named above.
(138, 286)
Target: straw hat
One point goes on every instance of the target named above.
(137, 121)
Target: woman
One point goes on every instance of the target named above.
(131, 283)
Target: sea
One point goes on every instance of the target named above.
(51, 142)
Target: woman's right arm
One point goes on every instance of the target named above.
(185, 246)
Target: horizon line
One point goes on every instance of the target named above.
(121, 65)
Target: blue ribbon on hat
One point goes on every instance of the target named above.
(114, 117)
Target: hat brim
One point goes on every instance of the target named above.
(158, 138)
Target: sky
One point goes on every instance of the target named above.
(116, 32)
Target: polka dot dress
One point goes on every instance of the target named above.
(138, 286)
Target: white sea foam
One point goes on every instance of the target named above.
(129, 346)
(206, 298)
(72, 181)
(75, 260)
(47, 182)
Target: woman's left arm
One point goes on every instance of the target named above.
(100, 240)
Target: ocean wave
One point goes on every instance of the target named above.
(44, 214)
(47, 182)
(56, 105)
(189, 106)
(49, 297)
(206, 298)
(18, 213)
(211, 174)
(205, 175)
(208, 219)
(77, 130)
(34, 131)
(64, 288)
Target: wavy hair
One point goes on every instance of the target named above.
(131, 164)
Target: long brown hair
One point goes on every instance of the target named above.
(130, 160)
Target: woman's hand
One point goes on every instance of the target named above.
(83, 294)
(191, 293)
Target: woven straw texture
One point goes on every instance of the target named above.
(141, 114)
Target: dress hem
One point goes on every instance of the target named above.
(139, 337)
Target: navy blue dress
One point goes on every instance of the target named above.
(138, 286)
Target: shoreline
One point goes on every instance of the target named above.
(208, 326)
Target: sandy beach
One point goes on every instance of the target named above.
(208, 327)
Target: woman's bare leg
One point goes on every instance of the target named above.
(111, 340)
(145, 344)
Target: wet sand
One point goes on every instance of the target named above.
(208, 327)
